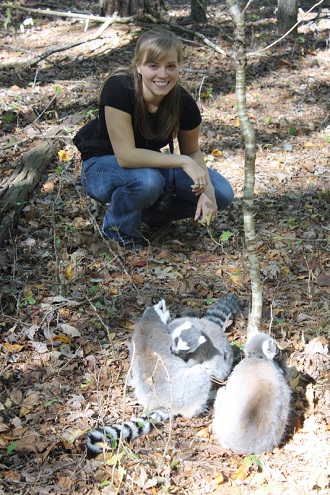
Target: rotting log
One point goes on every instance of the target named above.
(17, 189)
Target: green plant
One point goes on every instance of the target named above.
(226, 235)
(11, 447)
(253, 459)
(87, 382)
(8, 118)
(8, 18)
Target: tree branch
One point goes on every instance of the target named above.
(33, 61)
(55, 13)
(286, 34)
(197, 34)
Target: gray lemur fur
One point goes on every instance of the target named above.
(203, 341)
(161, 379)
(252, 411)
(164, 384)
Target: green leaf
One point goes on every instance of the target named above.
(115, 458)
(8, 18)
(226, 235)
(257, 461)
(11, 447)
(248, 460)
(208, 219)
(94, 289)
(8, 119)
(105, 483)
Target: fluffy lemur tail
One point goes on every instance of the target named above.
(223, 311)
(105, 438)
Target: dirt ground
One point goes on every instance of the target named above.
(69, 299)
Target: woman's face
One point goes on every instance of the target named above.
(158, 78)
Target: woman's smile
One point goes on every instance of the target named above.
(159, 77)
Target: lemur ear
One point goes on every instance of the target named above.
(201, 340)
(269, 348)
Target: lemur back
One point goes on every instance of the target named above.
(161, 379)
(203, 341)
(251, 412)
(164, 384)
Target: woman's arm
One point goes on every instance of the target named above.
(120, 130)
(189, 144)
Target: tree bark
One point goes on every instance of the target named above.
(131, 7)
(198, 10)
(239, 56)
(287, 15)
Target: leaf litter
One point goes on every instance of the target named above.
(69, 300)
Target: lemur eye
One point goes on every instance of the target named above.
(176, 340)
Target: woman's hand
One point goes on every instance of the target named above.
(207, 209)
(197, 175)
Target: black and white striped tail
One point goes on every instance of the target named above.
(223, 310)
(105, 438)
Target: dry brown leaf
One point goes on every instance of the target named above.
(11, 475)
(63, 156)
(323, 280)
(216, 152)
(203, 433)
(31, 400)
(138, 279)
(16, 396)
(63, 338)
(66, 482)
(242, 472)
(69, 330)
(27, 291)
(219, 479)
(69, 271)
(13, 348)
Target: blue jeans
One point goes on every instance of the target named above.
(133, 192)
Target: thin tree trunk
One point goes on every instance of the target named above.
(249, 168)
(198, 10)
(131, 7)
(287, 15)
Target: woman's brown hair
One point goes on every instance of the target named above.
(153, 46)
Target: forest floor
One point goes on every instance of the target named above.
(69, 299)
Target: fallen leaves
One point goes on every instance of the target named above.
(64, 349)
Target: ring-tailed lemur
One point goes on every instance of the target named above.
(251, 412)
(107, 437)
(164, 384)
(202, 340)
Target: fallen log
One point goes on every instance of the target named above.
(17, 189)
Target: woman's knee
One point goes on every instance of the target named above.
(152, 182)
(224, 196)
(224, 193)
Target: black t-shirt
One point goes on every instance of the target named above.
(118, 92)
